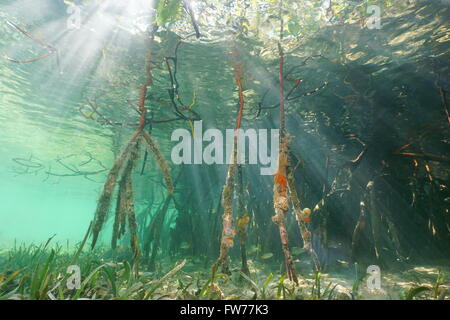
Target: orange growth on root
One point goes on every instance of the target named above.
(280, 179)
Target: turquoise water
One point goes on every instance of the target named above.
(368, 130)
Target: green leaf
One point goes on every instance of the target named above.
(415, 291)
(268, 279)
(10, 279)
(111, 275)
(158, 283)
(87, 280)
(280, 286)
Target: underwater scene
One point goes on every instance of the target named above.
(224, 150)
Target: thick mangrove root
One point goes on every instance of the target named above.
(125, 201)
(123, 167)
(125, 162)
(120, 216)
(302, 217)
(280, 200)
(161, 162)
(105, 199)
(131, 214)
(228, 232)
(281, 207)
(243, 220)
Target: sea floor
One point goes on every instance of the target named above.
(41, 273)
(340, 285)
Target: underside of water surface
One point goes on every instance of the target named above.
(243, 149)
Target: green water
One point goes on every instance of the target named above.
(372, 110)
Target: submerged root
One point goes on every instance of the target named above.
(123, 167)
(104, 202)
(120, 217)
(228, 231)
(153, 233)
(161, 162)
(281, 206)
(125, 202)
(242, 221)
(301, 218)
(131, 215)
